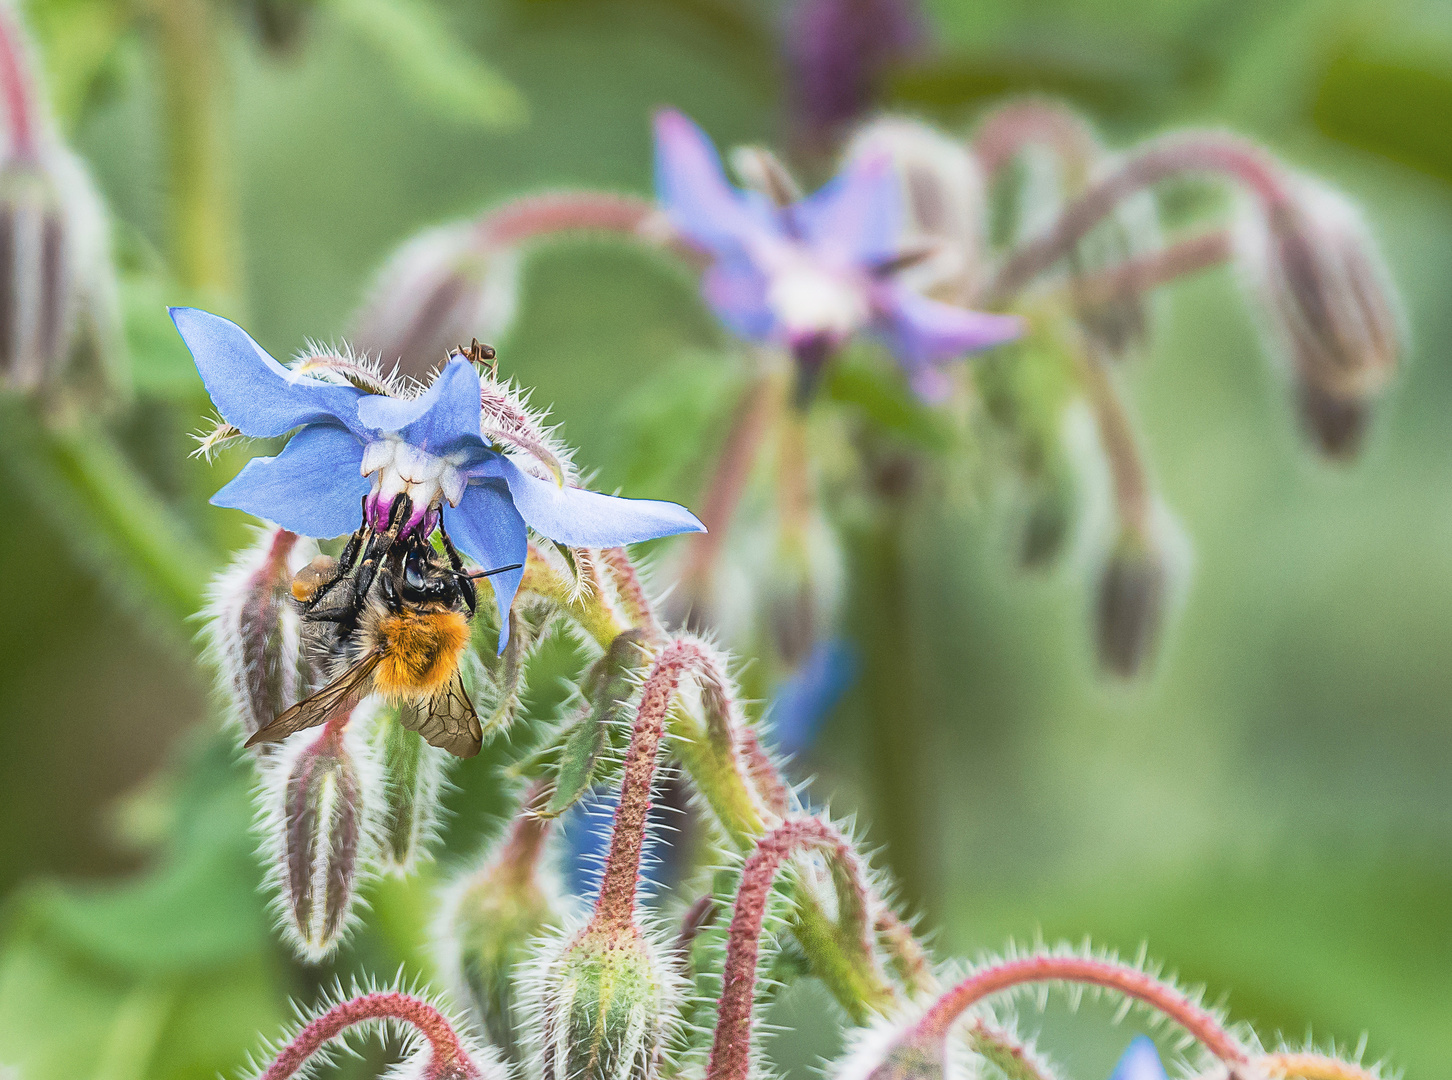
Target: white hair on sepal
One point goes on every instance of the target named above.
(317, 941)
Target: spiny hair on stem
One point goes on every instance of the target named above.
(525, 433)
(339, 363)
(408, 1043)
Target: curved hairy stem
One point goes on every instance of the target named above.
(1122, 978)
(1128, 475)
(1312, 1067)
(731, 1049)
(1146, 272)
(1006, 131)
(444, 1045)
(533, 217)
(1170, 156)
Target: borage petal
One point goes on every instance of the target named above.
(736, 291)
(488, 529)
(923, 331)
(581, 518)
(1140, 1062)
(314, 487)
(442, 419)
(692, 186)
(854, 220)
(251, 390)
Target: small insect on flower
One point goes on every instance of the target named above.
(398, 616)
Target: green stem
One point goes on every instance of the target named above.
(896, 731)
(110, 516)
(202, 200)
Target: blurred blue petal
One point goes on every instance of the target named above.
(1140, 1062)
(736, 291)
(314, 487)
(692, 187)
(857, 217)
(803, 701)
(581, 518)
(251, 390)
(488, 529)
(441, 420)
(924, 331)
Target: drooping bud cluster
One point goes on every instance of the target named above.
(1317, 273)
(58, 304)
(413, 778)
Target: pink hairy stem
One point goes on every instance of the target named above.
(1122, 978)
(615, 906)
(1162, 159)
(731, 1048)
(444, 1045)
(535, 216)
(1146, 272)
(1004, 133)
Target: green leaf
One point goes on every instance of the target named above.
(430, 64)
(606, 688)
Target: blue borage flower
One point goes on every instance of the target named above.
(351, 448)
(813, 274)
(1140, 1062)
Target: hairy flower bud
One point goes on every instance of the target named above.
(490, 922)
(889, 1051)
(1329, 301)
(413, 779)
(253, 629)
(1133, 590)
(605, 1003)
(943, 204)
(319, 835)
(438, 291)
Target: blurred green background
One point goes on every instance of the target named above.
(1269, 810)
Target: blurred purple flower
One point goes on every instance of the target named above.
(352, 448)
(812, 274)
(804, 699)
(1140, 1062)
(838, 52)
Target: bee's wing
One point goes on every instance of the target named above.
(447, 720)
(342, 693)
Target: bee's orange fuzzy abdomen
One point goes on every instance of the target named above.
(420, 653)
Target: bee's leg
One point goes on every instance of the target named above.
(341, 569)
(380, 544)
(465, 582)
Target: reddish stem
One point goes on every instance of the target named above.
(630, 592)
(444, 1045)
(731, 1049)
(520, 853)
(534, 216)
(1112, 976)
(615, 906)
(1128, 475)
(1157, 268)
(17, 86)
(723, 492)
(914, 968)
(1004, 133)
(765, 776)
(1162, 159)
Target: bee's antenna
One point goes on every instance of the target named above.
(475, 575)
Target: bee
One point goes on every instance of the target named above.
(394, 614)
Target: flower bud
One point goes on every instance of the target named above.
(253, 629)
(438, 291)
(318, 824)
(605, 1006)
(885, 1051)
(943, 204)
(413, 779)
(1133, 588)
(1329, 301)
(489, 923)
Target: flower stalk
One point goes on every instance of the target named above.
(447, 1055)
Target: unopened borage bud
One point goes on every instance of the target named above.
(605, 1005)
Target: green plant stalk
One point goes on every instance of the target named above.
(895, 736)
(202, 204)
(107, 513)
